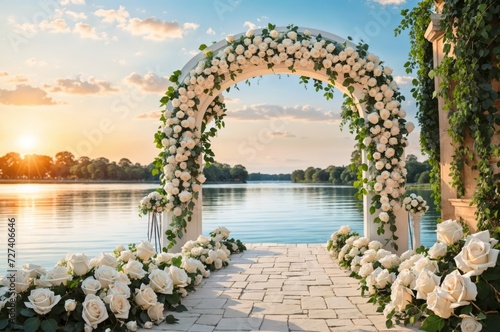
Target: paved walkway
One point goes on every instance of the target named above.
(278, 287)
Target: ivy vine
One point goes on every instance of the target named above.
(470, 66)
(422, 63)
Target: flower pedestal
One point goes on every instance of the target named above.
(154, 230)
(415, 229)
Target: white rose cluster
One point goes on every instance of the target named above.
(180, 137)
(416, 276)
(415, 205)
(114, 283)
(154, 202)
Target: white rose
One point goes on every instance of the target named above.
(42, 300)
(106, 275)
(344, 230)
(459, 288)
(119, 305)
(90, 286)
(145, 250)
(409, 127)
(408, 254)
(179, 276)
(94, 310)
(230, 38)
(384, 278)
(425, 283)
(425, 263)
(382, 253)
(389, 261)
(161, 282)
(148, 325)
(384, 216)
(55, 277)
(361, 242)
(34, 270)
(373, 118)
(374, 245)
(155, 312)
(438, 250)
(21, 278)
(134, 269)
(165, 258)
(406, 277)
(79, 263)
(123, 278)
(69, 305)
(438, 302)
(145, 297)
(477, 254)
(401, 296)
(104, 259)
(369, 256)
(203, 239)
(131, 325)
(126, 255)
(470, 324)
(119, 288)
(449, 232)
(218, 263)
(366, 270)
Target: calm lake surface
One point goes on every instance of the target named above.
(55, 219)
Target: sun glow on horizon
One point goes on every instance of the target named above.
(27, 142)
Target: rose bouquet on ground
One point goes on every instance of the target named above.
(455, 284)
(119, 291)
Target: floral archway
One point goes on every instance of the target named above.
(372, 109)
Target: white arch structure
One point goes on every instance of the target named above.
(194, 228)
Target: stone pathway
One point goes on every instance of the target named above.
(279, 287)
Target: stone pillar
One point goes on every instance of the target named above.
(435, 35)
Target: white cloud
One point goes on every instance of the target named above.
(119, 15)
(294, 113)
(19, 79)
(210, 31)
(153, 29)
(3, 73)
(250, 25)
(56, 26)
(74, 2)
(154, 115)
(190, 53)
(390, 2)
(150, 82)
(25, 95)
(35, 62)
(403, 80)
(190, 25)
(88, 32)
(91, 86)
(76, 16)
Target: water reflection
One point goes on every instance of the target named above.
(54, 219)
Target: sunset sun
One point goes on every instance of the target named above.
(27, 142)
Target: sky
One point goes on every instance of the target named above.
(86, 77)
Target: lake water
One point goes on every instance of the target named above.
(54, 219)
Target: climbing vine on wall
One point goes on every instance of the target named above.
(471, 63)
(421, 62)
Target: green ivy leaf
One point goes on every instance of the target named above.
(31, 324)
(433, 323)
(49, 325)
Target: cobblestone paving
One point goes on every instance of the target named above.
(279, 287)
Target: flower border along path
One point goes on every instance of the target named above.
(117, 291)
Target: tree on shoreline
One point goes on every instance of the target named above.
(65, 167)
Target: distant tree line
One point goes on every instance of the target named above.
(66, 167)
(218, 172)
(269, 177)
(418, 172)
(342, 175)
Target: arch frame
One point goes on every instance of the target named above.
(197, 96)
